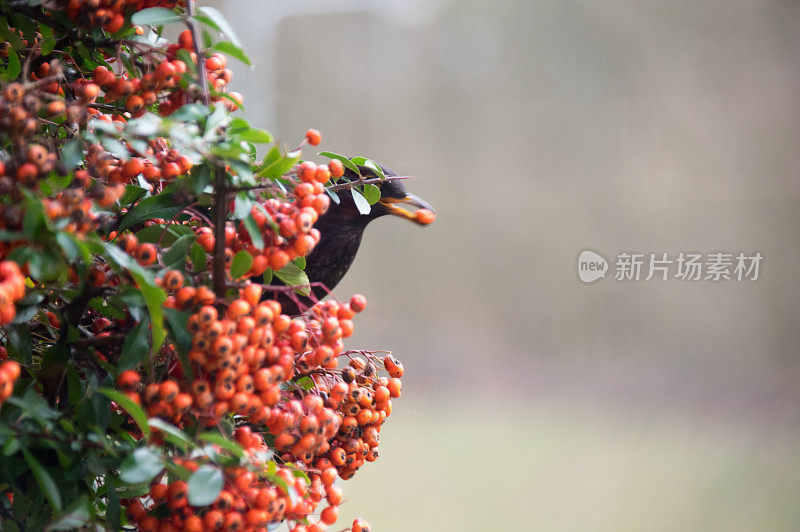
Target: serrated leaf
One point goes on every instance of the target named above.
(154, 16)
(141, 466)
(127, 404)
(234, 51)
(241, 264)
(372, 193)
(205, 485)
(213, 18)
(361, 202)
(45, 481)
(345, 161)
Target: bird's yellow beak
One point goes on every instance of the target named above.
(421, 212)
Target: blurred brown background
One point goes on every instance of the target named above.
(533, 401)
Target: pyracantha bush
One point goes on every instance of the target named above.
(149, 381)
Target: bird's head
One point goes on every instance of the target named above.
(395, 199)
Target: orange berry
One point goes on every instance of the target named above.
(168, 390)
(133, 167)
(146, 253)
(173, 280)
(313, 137)
(336, 168)
(329, 515)
(238, 308)
(358, 303)
(128, 381)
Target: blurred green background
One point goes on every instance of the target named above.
(533, 401)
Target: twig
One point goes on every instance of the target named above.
(199, 56)
(340, 186)
(220, 220)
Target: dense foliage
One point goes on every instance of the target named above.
(148, 380)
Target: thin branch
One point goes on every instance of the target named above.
(220, 220)
(340, 186)
(199, 56)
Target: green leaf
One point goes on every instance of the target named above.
(154, 16)
(133, 410)
(77, 516)
(345, 161)
(218, 439)
(161, 206)
(253, 230)
(14, 67)
(279, 166)
(205, 485)
(213, 18)
(136, 346)
(175, 256)
(153, 295)
(73, 248)
(291, 275)
(48, 41)
(172, 434)
(361, 202)
(258, 136)
(34, 405)
(45, 481)
(219, 117)
(147, 125)
(176, 322)
(233, 51)
(241, 264)
(185, 56)
(372, 193)
(72, 153)
(369, 163)
(114, 146)
(334, 196)
(141, 466)
(198, 256)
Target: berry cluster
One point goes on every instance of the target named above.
(303, 410)
(108, 14)
(280, 377)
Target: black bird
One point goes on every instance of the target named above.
(342, 227)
